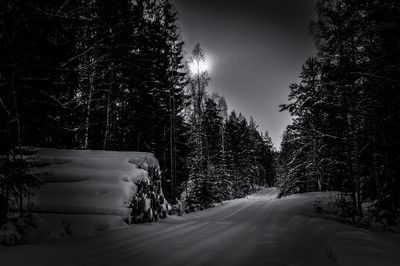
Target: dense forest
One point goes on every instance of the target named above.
(112, 75)
(346, 110)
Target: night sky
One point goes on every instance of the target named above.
(255, 48)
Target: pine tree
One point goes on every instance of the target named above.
(213, 126)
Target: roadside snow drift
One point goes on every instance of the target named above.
(86, 191)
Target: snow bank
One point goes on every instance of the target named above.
(328, 242)
(86, 189)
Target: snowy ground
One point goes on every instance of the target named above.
(258, 230)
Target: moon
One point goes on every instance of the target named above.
(196, 67)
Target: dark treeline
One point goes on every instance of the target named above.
(111, 75)
(346, 108)
(90, 75)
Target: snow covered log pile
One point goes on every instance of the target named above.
(86, 191)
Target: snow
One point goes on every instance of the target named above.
(257, 230)
(54, 226)
(86, 192)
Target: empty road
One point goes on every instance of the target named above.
(257, 230)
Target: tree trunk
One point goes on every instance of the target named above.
(21, 202)
(171, 141)
(107, 120)
(17, 116)
(88, 112)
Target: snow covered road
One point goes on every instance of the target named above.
(258, 230)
